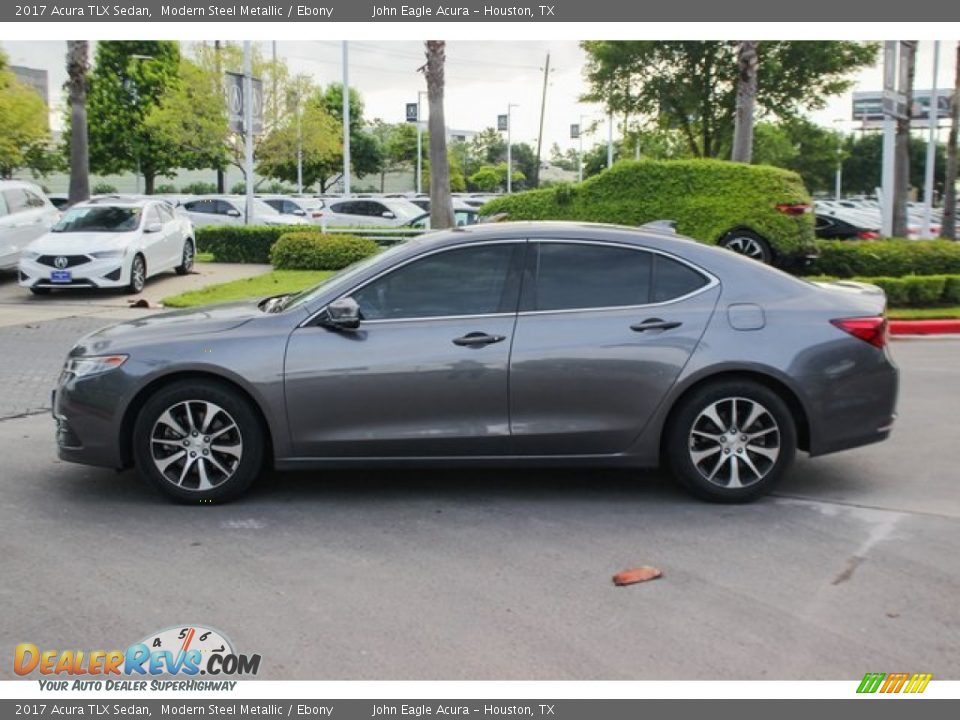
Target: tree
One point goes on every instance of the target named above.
(128, 79)
(441, 204)
(801, 146)
(950, 195)
(486, 179)
(746, 101)
(691, 86)
(321, 142)
(398, 146)
(862, 163)
(901, 185)
(24, 126)
(78, 53)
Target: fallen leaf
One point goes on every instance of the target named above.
(636, 575)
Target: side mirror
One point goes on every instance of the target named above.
(389, 215)
(232, 212)
(343, 314)
(153, 227)
(301, 213)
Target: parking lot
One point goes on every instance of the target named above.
(850, 567)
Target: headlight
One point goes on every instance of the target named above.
(103, 254)
(83, 366)
(30, 254)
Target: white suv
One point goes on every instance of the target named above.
(25, 215)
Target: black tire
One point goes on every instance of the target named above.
(187, 258)
(748, 243)
(155, 442)
(138, 275)
(40, 291)
(742, 464)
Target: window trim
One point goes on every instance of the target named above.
(459, 246)
(712, 280)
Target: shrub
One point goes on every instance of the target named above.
(239, 188)
(165, 189)
(911, 290)
(199, 188)
(951, 289)
(707, 198)
(896, 289)
(316, 251)
(925, 289)
(890, 258)
(239, 243)
(103, 188)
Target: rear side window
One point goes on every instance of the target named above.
(569, 276)
(672, 279)
(201, 206)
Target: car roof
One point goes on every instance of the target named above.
(118, 202)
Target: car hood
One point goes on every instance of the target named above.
(163, 327)
(79, 243)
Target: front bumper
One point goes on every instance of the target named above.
(97, 273)
(87, 413)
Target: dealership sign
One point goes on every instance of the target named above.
(872, 107)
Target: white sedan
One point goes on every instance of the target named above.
(229, 210)
(109, 243)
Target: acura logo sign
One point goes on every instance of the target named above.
(61, 262)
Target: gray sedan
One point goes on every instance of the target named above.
(507, 344)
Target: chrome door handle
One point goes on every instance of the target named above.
(655, 324)
(476, 339)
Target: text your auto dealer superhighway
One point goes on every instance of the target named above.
(243, 11)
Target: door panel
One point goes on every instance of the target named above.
(586, 381)
(399, 389)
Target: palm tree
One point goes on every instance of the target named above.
(901, 182)
(949, 229)
(746, 100)
(77, 66)
(441, 205)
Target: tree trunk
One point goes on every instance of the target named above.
(746, 101)
(149, 181)
(949, 229)
(441, 204)
(901, 184)
(77, 66)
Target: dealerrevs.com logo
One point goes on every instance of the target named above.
(899, 682)
(188, 650)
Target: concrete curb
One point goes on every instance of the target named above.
(924, 327)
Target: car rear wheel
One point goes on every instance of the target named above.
(731, 441)
(138, 275)
(186, 263)
(198, 441)
(745, 242)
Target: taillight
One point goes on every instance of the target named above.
(868, 235)
(793, 208)
(869, 329)
(316, 214)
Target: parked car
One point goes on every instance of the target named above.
(59, 200)
(461, 217)
(310, 209)
(754, 210)
(378, 212)
(25, 215)
(497, 344)
(850, 225)
(109, 244)
(230, 210)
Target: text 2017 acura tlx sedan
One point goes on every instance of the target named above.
(502, 344)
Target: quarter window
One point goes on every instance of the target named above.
(465, 281)
(672, 279)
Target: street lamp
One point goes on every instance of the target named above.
(838, 181)
(510, 107)
(130, 86)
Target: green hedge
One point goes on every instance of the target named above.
(240, 243)
(707, 198)
(306, 250)
(913, 290)
(886, 258)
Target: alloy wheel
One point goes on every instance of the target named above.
(746, 245)
(196, 445)
(187, 257)
(734, 442)
(138, 274)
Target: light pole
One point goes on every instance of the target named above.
(420, 94)
(346, 124)
(248, 130)
(510, 107)
(933, 117)
(838, 180)
(131, 86)
(580, 152)
(610, 140)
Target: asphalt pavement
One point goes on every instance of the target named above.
(853, 566)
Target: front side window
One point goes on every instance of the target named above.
(464, 281)
(569, 276)
(207, 207)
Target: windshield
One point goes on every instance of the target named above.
(348, 272)
(99, 219)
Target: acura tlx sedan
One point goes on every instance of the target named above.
(499, 345)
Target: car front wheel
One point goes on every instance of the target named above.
(198, 441)
(731, 441)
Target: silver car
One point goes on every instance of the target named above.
(508, 344)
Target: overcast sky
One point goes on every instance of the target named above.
(482, 78)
